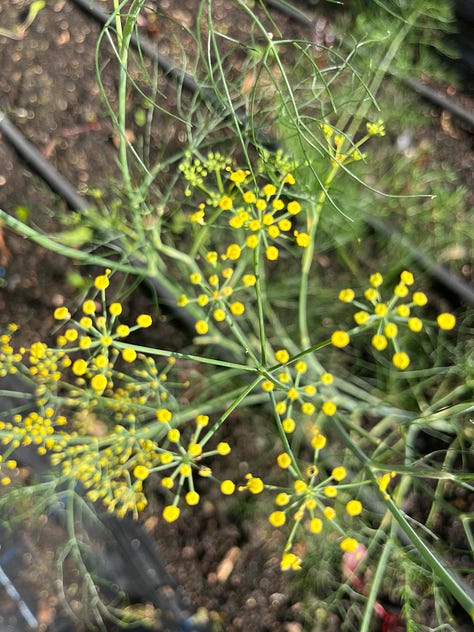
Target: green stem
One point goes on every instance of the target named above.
(307, 261)
(375, 586)
(61, 249)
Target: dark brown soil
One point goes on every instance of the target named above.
(226, 564)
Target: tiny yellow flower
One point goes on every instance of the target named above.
(380, 309)
(61, 313)
(223, 448)
(167, 482)
(249, 280)
(347, 295)
(401, 360)
(379, 342)
(122, 331)
(390, 330)
(361, 317)
(267, 386)
(164, 415)
(302, 239)
(238, 176)
(354, 507)
(195, 278)
(329, 408)
(171, 513)
(446, 321)
(249, 197)
(233, 252)
(371, 294)
(269, 189)
(330, 491)
(340, 339)
(192, 498)
(289, 179)
(419, 298)
(255, 485)
(284, 225)
(349, 544)
(201, 327)
(101, 282)
(194, 449)
(277, 518)
(237, 308)
(284, 460)
(327, 378)
(293, 207)
(407, 277)
(288, 425)
(88, 307)
(400, 290)
(339, 473)
(144, 321)
(251, 241)
(282, 499)
(79, 367)
(219, 315)
(227, 487)
(99, 382)
(202, 421)
(415, 324)
(271, 253)
(140, 472)
(329, 513)
(115, 309)
(211, 257)
(403, 310)
(300, 486)
(225, 203)
(202, 300)
(376, 279)
(316, 525)
(301, 367)
(307, 408)
(129, 355)
(290, 561)
(318, 441)
(282, 356)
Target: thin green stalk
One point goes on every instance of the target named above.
(235, 404)
(307, 261)
(375, 586)
(185, 356)
(124, 35)
(66, 251)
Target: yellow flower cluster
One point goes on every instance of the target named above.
(303, 402)
(343, 151)
(215, 292)
(386, 315)
(262, 215)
